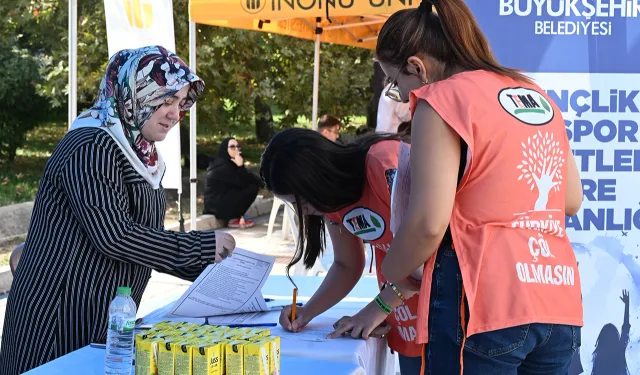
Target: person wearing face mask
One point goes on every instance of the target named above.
(349, 188)
(503, 296)
(98, 218)
(230, 188)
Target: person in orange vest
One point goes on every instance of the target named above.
(348, 187)
(503, 296)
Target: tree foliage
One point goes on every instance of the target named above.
(20, 106)
(237, 66)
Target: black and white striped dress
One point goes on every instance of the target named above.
(96, 225)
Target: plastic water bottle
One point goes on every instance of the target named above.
(120, 337)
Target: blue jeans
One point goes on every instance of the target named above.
(540, 349)
(410, 365)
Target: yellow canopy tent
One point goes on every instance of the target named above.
(348, 22)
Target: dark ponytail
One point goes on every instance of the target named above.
(444, 30)
(329, 176)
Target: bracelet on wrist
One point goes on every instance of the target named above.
(396, 291)
(383, 305)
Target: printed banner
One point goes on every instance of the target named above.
(585, 54)
(139, 23)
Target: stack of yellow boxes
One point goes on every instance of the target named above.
(190, 349)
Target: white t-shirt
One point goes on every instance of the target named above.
(391, 114)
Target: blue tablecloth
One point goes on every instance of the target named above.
(335, 357)
(90, 361)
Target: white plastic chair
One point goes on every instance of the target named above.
(321, 266)
(289, 227)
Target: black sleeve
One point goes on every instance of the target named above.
(235, 176)
(93, 181)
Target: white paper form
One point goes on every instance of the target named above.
(160, 315)
(401, 188)
(317, 331)
(230, 287)
(400, 192)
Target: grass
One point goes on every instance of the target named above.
(19, 181)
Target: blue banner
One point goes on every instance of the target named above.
(557, 36)
(586, 55)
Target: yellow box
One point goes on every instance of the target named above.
(220, 328)
(215, 335)
(166, 360)
(199, 331)
(250, 337)
(274, 355)
(234, 357)
(223, 347)
(146, 356)
(183, 357)
(256, 357)
(261, 331)
(208, 359)
(144, 335)
(235, 333)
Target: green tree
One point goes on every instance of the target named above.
(20, 107)
(240, 68)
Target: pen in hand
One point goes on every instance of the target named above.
(293, 306)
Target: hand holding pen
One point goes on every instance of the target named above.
(297, 324)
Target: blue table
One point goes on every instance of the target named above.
(90, 361)
(335, 357)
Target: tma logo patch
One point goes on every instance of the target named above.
(528, 106)
(364, 223)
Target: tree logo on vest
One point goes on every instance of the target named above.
(541, 166)
(541, 169)
(528, 106)
(364, 223)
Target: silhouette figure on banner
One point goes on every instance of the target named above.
(609, 356)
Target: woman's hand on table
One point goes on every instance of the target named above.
(363, 324)
(225, 244)
(302, 319)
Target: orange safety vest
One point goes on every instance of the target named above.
(508, 220)
(369, 219)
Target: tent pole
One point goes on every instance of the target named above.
(193, 162)
(73, 61)
(316, 76)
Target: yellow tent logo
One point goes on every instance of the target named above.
(253, 6)
(139, 13)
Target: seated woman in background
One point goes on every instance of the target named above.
(230, 188)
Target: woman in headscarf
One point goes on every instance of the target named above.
(99, 214)
(230, 188)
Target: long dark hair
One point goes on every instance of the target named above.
(450, 34)
(313, 169)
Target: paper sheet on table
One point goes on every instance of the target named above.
(160, 315)
(231, 287)
(317, 330)
(401, 188)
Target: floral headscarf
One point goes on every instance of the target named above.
(136, 83)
